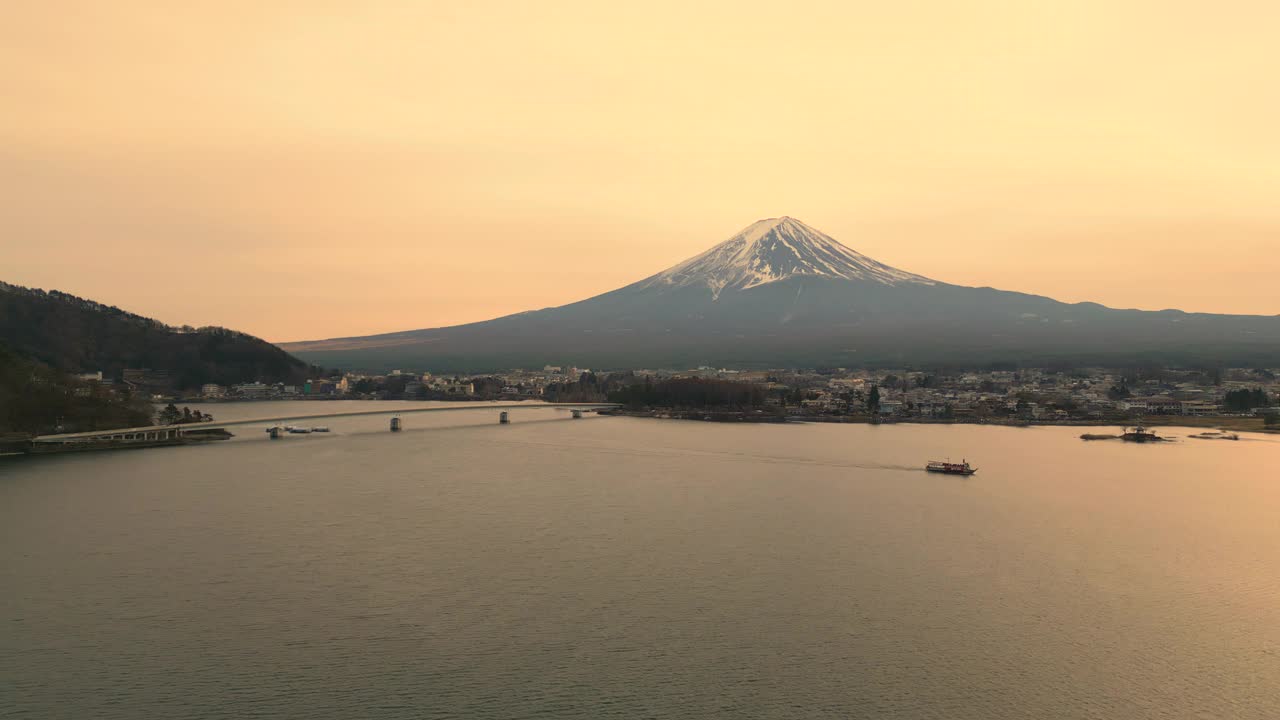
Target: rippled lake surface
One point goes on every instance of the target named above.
(633, 568)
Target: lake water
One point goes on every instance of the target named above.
(634, 568)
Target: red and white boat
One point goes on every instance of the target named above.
(950, 468)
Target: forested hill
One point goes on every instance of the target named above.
(75, 335)
(36, 399)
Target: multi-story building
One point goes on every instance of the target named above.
(252, 390)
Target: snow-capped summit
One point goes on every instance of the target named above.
(776, 249)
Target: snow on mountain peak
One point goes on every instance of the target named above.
(775, 249)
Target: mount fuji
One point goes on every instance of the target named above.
(782, 294)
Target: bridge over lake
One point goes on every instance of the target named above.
(169, 434)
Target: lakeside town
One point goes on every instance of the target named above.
(1244, 398)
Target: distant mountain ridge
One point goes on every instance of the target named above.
(75, 335)
(782, 294)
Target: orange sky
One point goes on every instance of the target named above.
(325, 169)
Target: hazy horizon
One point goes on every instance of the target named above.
(302, 172)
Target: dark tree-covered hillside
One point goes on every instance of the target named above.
(75, 335)
(36, 399)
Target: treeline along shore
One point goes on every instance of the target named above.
(1025, 398)
(1238, 424)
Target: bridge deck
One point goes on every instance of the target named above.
(289, 418)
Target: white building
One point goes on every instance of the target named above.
(890, 407)
(254, 389)
(1199, 407)
(459, 388)
(1134, 404)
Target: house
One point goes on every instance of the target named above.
(930, 409)
(458, 388)
(135, 375)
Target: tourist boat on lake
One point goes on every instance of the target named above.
(950, 468)
(1140, 434)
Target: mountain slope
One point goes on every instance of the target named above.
(74, 335)
(780, 293)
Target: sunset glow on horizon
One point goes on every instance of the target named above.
(315, 170)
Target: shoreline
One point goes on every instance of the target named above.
(1235, 424)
